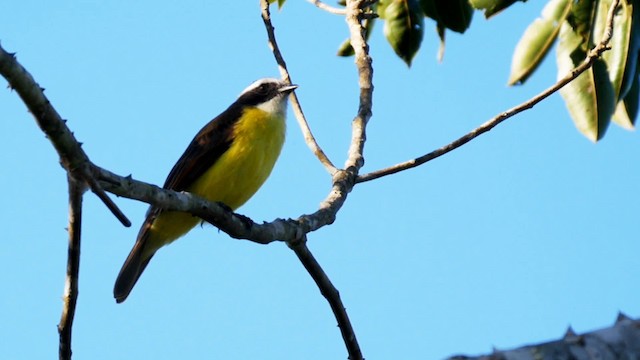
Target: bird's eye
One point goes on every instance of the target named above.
(263, 88)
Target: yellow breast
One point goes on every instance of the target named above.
(234, 178)
(244, 167)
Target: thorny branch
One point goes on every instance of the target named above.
(72, 157)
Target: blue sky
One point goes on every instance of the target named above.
(506, 241)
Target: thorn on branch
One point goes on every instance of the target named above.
(622, 317)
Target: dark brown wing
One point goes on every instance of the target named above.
(204, 150)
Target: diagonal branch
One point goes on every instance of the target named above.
(595, 53)
(72, 157)
(295, 103)
(70, 297)
(331, 294)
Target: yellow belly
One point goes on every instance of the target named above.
(234, 178)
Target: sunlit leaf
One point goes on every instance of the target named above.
(580, 19)
(345, 49)
(492, 7)
(590, 98)
(537, 40)
(404, 27)
(280, 3)
(382, 7)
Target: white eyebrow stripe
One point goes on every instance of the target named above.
(259, 82)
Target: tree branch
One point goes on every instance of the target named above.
(70, 297)
(595, 53)
(331, 294)
(295, 103)
(72, 157)
(363, 62)
(330, 9)
(621, 341)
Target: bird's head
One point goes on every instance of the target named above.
(268, 94)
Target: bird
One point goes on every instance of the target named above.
(227, 161)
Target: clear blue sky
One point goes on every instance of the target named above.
(506, 241)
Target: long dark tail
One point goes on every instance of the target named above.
(130, 272)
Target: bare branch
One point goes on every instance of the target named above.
(70, 297)
(330, 293)
(328, 8)
(237, 226)
(595, 53)
(295, 103)
(365, 80)
(72, 157)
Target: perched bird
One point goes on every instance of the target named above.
(227, 161)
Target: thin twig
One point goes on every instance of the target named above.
(595, 53)
(295, 103)
(106, 200)
(72, 157)
(330, 293)
(328, 8)
(70, 297)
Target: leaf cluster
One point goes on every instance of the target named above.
(610, 90)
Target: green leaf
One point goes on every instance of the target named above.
(627, 109)
(455, 15)
(580, 19)
(404, 27)
(382, 7)
(633, 57)
(492, 7)
(590, 98)
(345, 49)
(537, 40)
(280, 3)
(430, 9)
(621, 66)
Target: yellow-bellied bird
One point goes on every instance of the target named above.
(227, 161)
